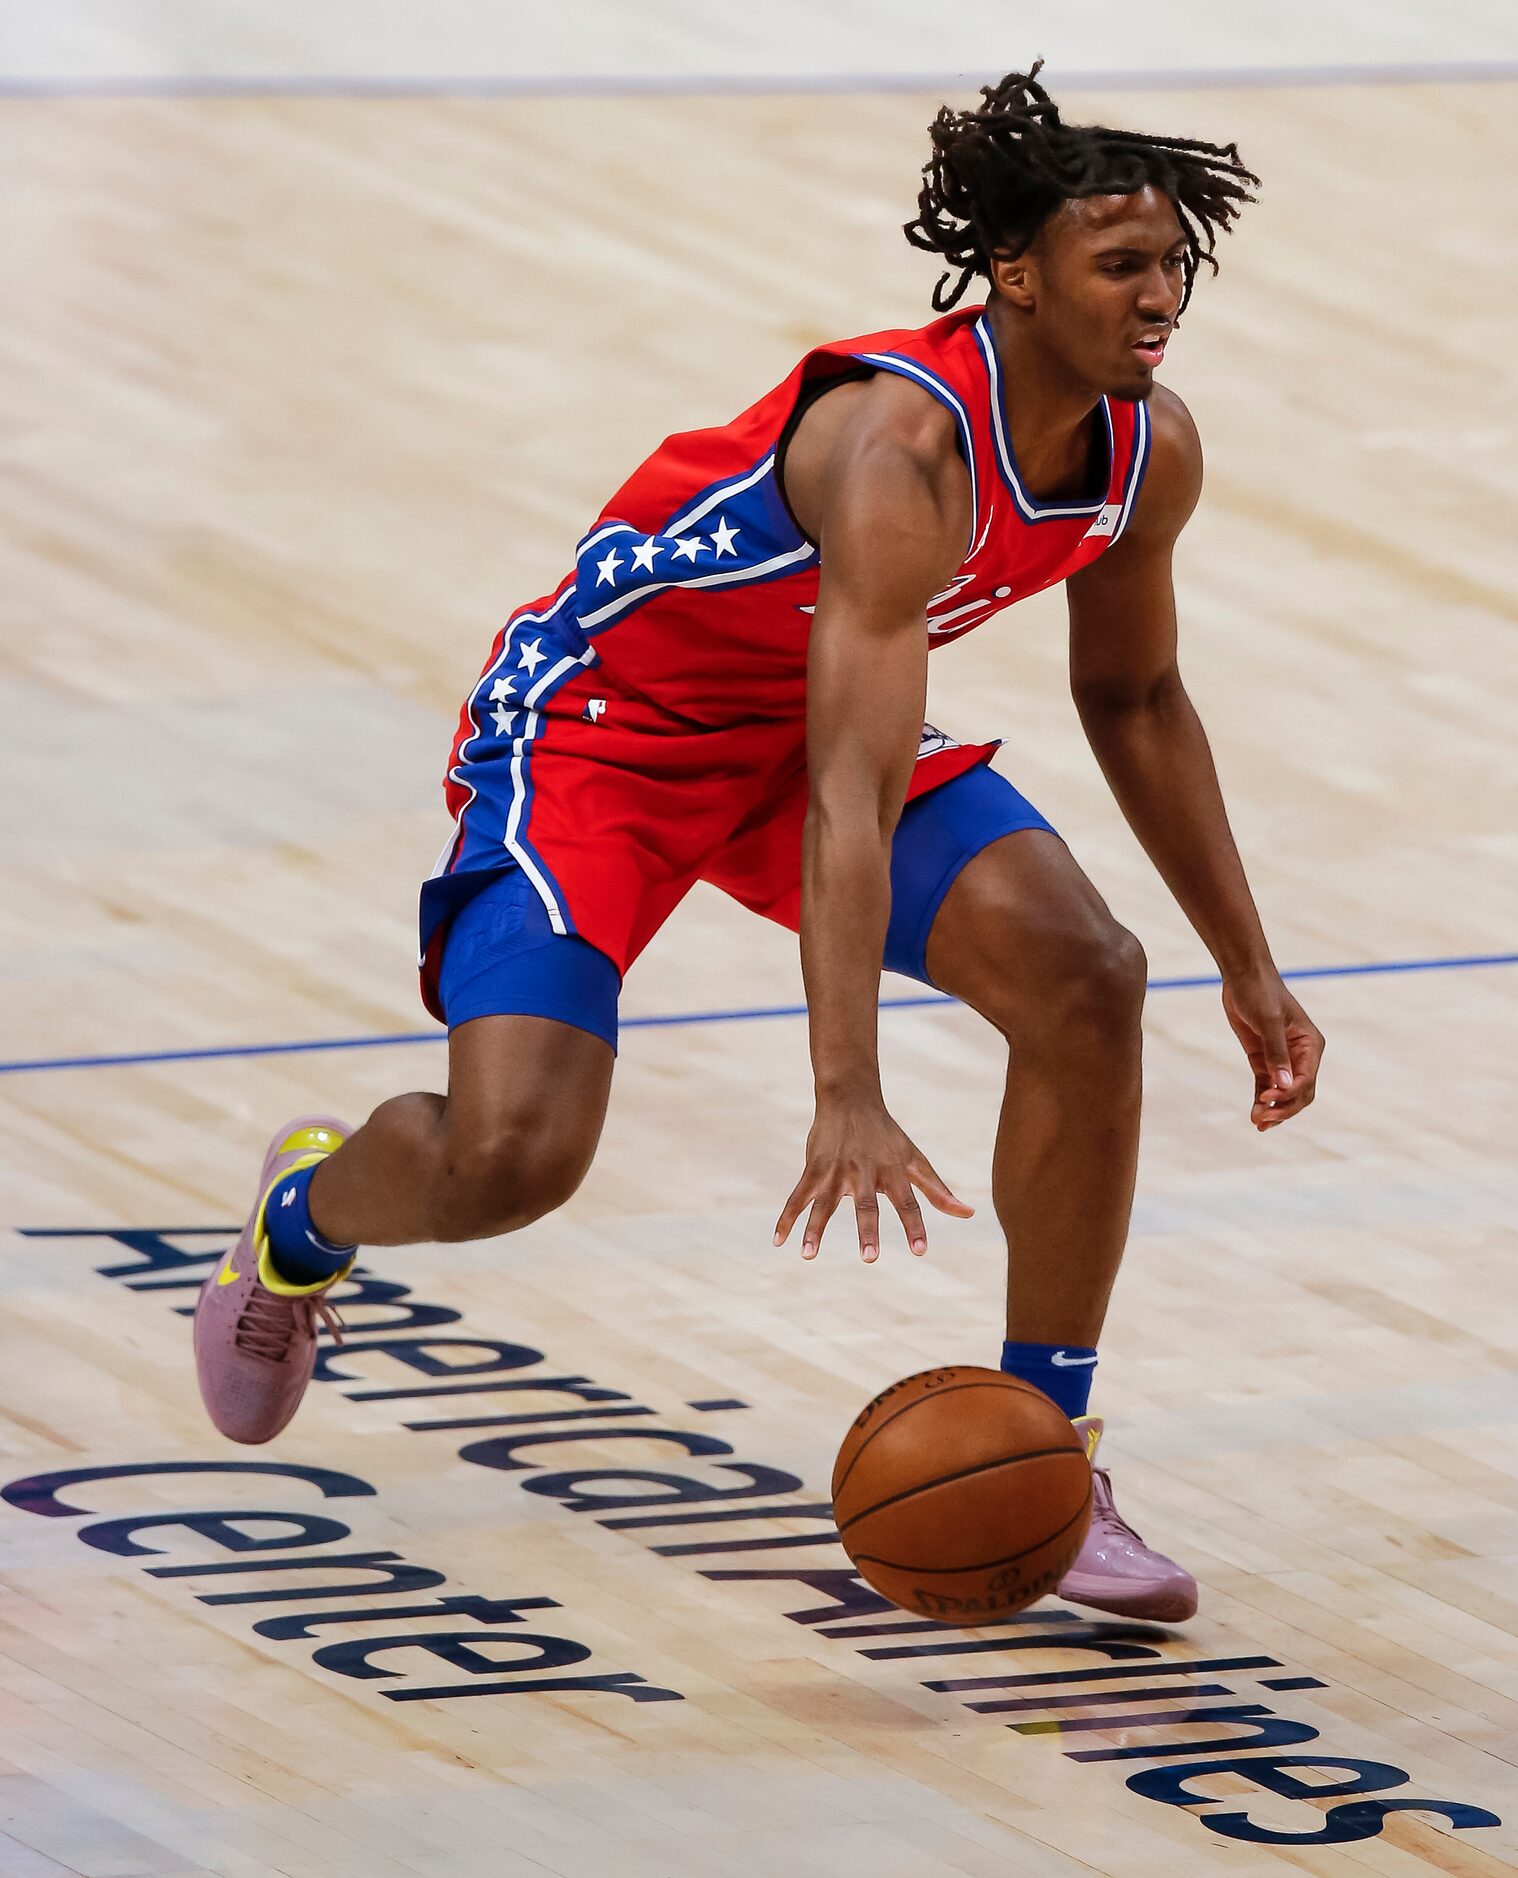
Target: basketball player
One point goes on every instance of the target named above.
(730, 687)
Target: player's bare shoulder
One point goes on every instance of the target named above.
(883, 433)
(1173, 479)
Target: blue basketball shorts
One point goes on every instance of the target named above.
(502, 957)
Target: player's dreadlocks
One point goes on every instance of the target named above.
(998, 173)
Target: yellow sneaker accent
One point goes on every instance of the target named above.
(228, 1275)
(267, 1276)
(317, 1140)
(271, 1280)
(1089, 1428)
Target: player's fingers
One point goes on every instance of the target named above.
(791, 1211)
(1276, 1091)
(823, 1209)
(936, 1190)
(1306, 1048)
(1277, 1053)
(1276, 1106)
(909, 1212)
(867, 1219)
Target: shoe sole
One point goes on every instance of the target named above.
(1159, 1609)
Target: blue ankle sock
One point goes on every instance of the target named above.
(1062, 1370)
(297, 1250)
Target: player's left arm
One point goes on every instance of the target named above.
(1149, 741)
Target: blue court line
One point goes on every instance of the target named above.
(363, 85)
(673, 1019)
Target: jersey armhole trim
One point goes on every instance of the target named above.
(1138, 464)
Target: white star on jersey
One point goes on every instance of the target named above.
(501, 689)
(504, 719)
(688, 547)
(532, 657)
(723, 538)
(643, 554)
(606, 571)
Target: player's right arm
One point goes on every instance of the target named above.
(873, 477)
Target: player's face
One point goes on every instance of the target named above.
(1103, 286)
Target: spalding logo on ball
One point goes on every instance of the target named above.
(962, 1494)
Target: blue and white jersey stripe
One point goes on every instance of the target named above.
(495, 686)
(492, 688)
(519, 812)
(745, 535)
(506, 709)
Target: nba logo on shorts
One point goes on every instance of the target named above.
(1105, 522)
(595, 710)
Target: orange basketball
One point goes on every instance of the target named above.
(962, 1494)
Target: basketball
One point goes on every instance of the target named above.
(962, 1494)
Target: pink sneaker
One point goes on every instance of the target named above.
(255, 1335)
(1114, 1570)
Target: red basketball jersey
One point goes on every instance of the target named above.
(643, 726)
(695, 589)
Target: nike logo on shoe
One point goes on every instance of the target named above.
(1061, 1361)
(228, 1275)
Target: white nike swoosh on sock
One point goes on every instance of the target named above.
(1061, 1361)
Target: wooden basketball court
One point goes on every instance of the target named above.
(299, 392)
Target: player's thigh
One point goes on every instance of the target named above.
(532, 1026)
(942, 835)
(526, 1102)
(989, 905)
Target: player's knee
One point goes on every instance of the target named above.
(1097, 988)
(497, 1180)
(1085, 984)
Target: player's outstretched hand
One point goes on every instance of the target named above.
(1283, 1044)
(855, 1151)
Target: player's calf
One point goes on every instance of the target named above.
(427, 1169)
(510, 1142)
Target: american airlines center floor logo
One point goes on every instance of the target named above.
(456, 1383)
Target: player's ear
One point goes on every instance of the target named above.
(1012, 277)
